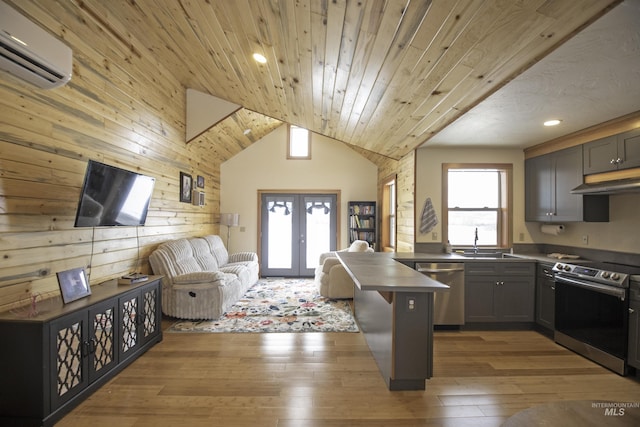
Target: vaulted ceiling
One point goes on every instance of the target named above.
(381, 75)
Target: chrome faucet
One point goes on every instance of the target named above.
(475, 242)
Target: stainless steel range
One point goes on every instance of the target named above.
(591, 311)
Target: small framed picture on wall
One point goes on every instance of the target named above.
(186, 184)
(200, 181)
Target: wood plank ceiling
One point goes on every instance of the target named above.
(380, 75)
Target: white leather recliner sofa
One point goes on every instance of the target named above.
(201, 280)
(332, 279)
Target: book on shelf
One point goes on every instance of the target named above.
(362, 210)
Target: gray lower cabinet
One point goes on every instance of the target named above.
(52, 360)
(545, 296)
(499, 292)
(612, 153)
(634, 328)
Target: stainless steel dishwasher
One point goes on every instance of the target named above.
(448, 305)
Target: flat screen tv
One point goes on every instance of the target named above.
(113, 197)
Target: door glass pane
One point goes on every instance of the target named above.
(69, 357)
(150, 317)
(103, 339)
(318, 228)
(279, 238)
(129, 324)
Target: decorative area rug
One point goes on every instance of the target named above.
(279, 305)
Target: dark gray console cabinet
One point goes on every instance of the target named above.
(51, 361)
(499, 292)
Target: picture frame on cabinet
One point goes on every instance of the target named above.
(74, 284)
(186, 184)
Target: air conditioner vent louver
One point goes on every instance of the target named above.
(30, 53)
(18, 58)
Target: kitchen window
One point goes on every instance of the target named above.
(477, 196)
(388, 229)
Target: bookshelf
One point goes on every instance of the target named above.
(362, 222)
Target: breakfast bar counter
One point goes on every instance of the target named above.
(393, 304)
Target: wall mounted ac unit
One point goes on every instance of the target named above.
(29, 52)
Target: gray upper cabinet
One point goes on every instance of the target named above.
(629, 149)
(612, 153)
(549, 180)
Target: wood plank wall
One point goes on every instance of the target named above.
(406, 203)
(404, 169)
(122, 107)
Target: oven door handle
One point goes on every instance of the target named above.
(603, 289)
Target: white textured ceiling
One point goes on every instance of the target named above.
(592, 78)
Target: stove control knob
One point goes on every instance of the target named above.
(615, 276)
(567, 268)
(605, 274)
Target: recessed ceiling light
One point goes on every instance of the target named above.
(247, 131)
(553, 122)
(259, 58)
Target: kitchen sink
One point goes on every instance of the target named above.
(481, 254)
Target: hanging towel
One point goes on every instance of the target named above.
(428, 219)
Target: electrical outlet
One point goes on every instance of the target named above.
(585, 239)
(411, 303)
(521, 237)
(434, 235)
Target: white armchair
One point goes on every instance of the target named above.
(332, 279)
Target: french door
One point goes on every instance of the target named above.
(296, 229)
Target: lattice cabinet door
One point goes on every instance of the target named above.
(140, 318)
(102, 338)
(130, 317)
(69, 358)
(151, 313)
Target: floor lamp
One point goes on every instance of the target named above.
(229, 220)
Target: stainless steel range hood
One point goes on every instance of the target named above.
(609, 187)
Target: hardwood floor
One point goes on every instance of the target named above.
(330, 379)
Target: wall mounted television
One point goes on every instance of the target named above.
(113, 196)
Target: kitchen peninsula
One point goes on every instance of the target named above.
(393, 304)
